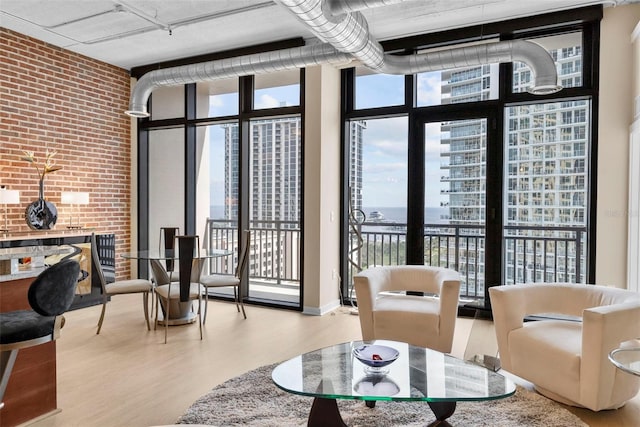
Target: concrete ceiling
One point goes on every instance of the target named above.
(130, 33)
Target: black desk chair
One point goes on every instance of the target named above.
(50, 295)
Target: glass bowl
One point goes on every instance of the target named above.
(375, 356)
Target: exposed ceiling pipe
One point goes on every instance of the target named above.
(532, 54)
(258, 63)
(336, 7)
(347, 37)
(348, 32)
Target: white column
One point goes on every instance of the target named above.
(321, 190)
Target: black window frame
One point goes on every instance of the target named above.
(586, 20)
(190, 122)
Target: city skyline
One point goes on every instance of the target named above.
(384, 155)
(384, 147)
(544, 167)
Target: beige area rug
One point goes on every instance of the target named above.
(253, 400)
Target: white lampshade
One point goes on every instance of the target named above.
(82, 198)
(9, 197)
(74, 198)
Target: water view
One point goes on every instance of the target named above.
(374, 214)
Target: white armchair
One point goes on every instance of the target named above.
(386, 312)
(566, 360)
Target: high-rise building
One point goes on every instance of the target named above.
(275, 185)
(275, 173)
(231, 171)
(356, 131)
(545, 174)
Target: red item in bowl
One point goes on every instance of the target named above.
(376, 357)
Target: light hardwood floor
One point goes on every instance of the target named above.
(126, 376)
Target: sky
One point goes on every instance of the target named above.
(385, 140)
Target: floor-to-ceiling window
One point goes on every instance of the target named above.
(230, 151)
(546, 175)
(496, 182)
(378, 165)
(275, 189)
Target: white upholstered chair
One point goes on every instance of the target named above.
(386, 312)
(566, 360)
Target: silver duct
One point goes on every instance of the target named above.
(337, 7)
(259, 63)
(348, 32)
(346, 36)
(538, 59)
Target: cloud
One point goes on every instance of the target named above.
(429, 88)
(216, 101)
(378, 168)
(385, 148)
(267, 101)
(386, 137)
(433, 147)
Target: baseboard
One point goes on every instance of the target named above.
(319, 311)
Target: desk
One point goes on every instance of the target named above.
(181, 312)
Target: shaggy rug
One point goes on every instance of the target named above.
(252, 399)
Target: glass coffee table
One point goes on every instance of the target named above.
(418, 374)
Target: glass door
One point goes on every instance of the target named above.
(377, 194)
(275, 207)
(546, 192)
(455, 177)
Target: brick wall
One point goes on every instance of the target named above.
(54, 99)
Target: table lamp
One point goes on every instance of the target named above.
(73, 199)
(8, 197)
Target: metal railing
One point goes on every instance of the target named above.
(531, 253)
(274, 255)
(545, 254)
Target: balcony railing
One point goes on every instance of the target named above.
(532, 254)
(273, 256)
